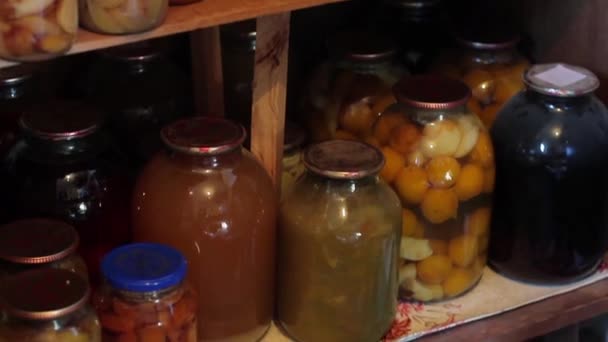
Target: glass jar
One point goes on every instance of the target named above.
(221, 204)
(489, 63)
(39, 243)
(65, 168)
(551, 189)
(293, 166)
(122, 16)
(35, 30)
(16, 90)
(338, 247)
(439, 159)
(347, 93)
(144, 297)
(141, 91)
(49, 305)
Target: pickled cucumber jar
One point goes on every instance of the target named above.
(293, 166)
(488, 61)
(439, 160)
(122, 16)
(347, 93)
(35, 30)
(50, 305)
(549, 222)
(39, 243)
(338, 247)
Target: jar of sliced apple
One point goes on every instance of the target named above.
(439, 159)
(35, 30)
(122, 16)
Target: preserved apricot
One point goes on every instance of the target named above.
(404, 138)
(416, 158)
(482, 84)
(412, 184)
(357, 118)
(470, 182)
(434, 269)
(489, 177)
(372, 141)
(439, 247)
(489, 112)
(463, 250)
(443, 171)
(382, 103)
(478, 223)
(458, 281)
(409, 223)
(506, 89)
(483, 152)
(385, 124)
(393, 163)
(439, 205)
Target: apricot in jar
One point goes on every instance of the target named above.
(439, 247)
(478, 222)
(458, 281)
(439, 205)
(470, 182)
(404, 138)
(385, 124)
(393, 162)
(434, 269)
(483, 152)
(443, 171)
(463, 250)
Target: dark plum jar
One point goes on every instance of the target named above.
(549, 222)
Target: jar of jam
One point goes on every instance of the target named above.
(221, 205)
(439, 159)
(65, 168)
(338, 247)
(50, 305)
(489, 63)
(122, 16)
(35, 30)
(548, 224)
(39, 243)
(144, 297)
(347, 93)
(293, 166)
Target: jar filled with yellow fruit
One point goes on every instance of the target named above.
(347, 93)
(440, 161)
(489, 63)
(122, 16)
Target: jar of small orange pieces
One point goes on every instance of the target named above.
(440, 161)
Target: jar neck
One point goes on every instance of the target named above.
(344, 185)
(149, 296)
(488, 57)
(365, 67)
(558, 104)
(425, 116)
(90, 143)
(205, 160)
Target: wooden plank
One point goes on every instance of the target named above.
(208, 87)
(270, 92)
(187, 18)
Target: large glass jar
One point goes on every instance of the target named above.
(49, 305)
(141, 91)
(293, 166)
(144, 297)
(489, 63)
(35, 30)
(211, 199)
(549, 224)
(65, 168)
(338, 247)
(39, 243)
(347, 93)
(439, 159)
(122, 16)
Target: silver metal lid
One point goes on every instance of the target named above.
(343, 159)
(561, 80)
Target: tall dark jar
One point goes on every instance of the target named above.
(549, 222)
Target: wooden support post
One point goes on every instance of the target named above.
(270, 92)
(207, 74)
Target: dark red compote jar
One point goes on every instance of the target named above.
(65, 168)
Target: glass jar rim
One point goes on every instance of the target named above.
(343, 159)
(203, 136)
(432, 92)
(560, 80)
(495, 37)
(61, 121)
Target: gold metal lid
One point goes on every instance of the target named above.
(343, 159)
(431, 92)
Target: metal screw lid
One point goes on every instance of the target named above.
(37, 241)
(561, 80)
(343, 159)
(361, 46)
(61, 121)
(431, 92)
(43, 294)
(203, 136)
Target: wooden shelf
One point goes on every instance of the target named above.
(207, 13)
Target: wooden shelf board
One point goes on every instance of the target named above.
(192, 17)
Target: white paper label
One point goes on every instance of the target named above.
(560, 76)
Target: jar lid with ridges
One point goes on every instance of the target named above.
(561, 80)
(61, 120)
(343, 159)
(37, 241)
(43, 294)
(203, 136)
(431, 92)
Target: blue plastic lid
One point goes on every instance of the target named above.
(144, 267)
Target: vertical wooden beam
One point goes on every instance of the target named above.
(270, 91)
(207, 74)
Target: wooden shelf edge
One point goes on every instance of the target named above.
(207, 13)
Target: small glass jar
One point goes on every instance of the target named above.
(35, 30)
(39, 243)
(489, 63)
(347, 93)
(223, 206)
(50, 305)
(439, 159)
(65, 168)
(144, 297)
(293, 166)
(338, 247)
(549, 225)
(122, 16)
